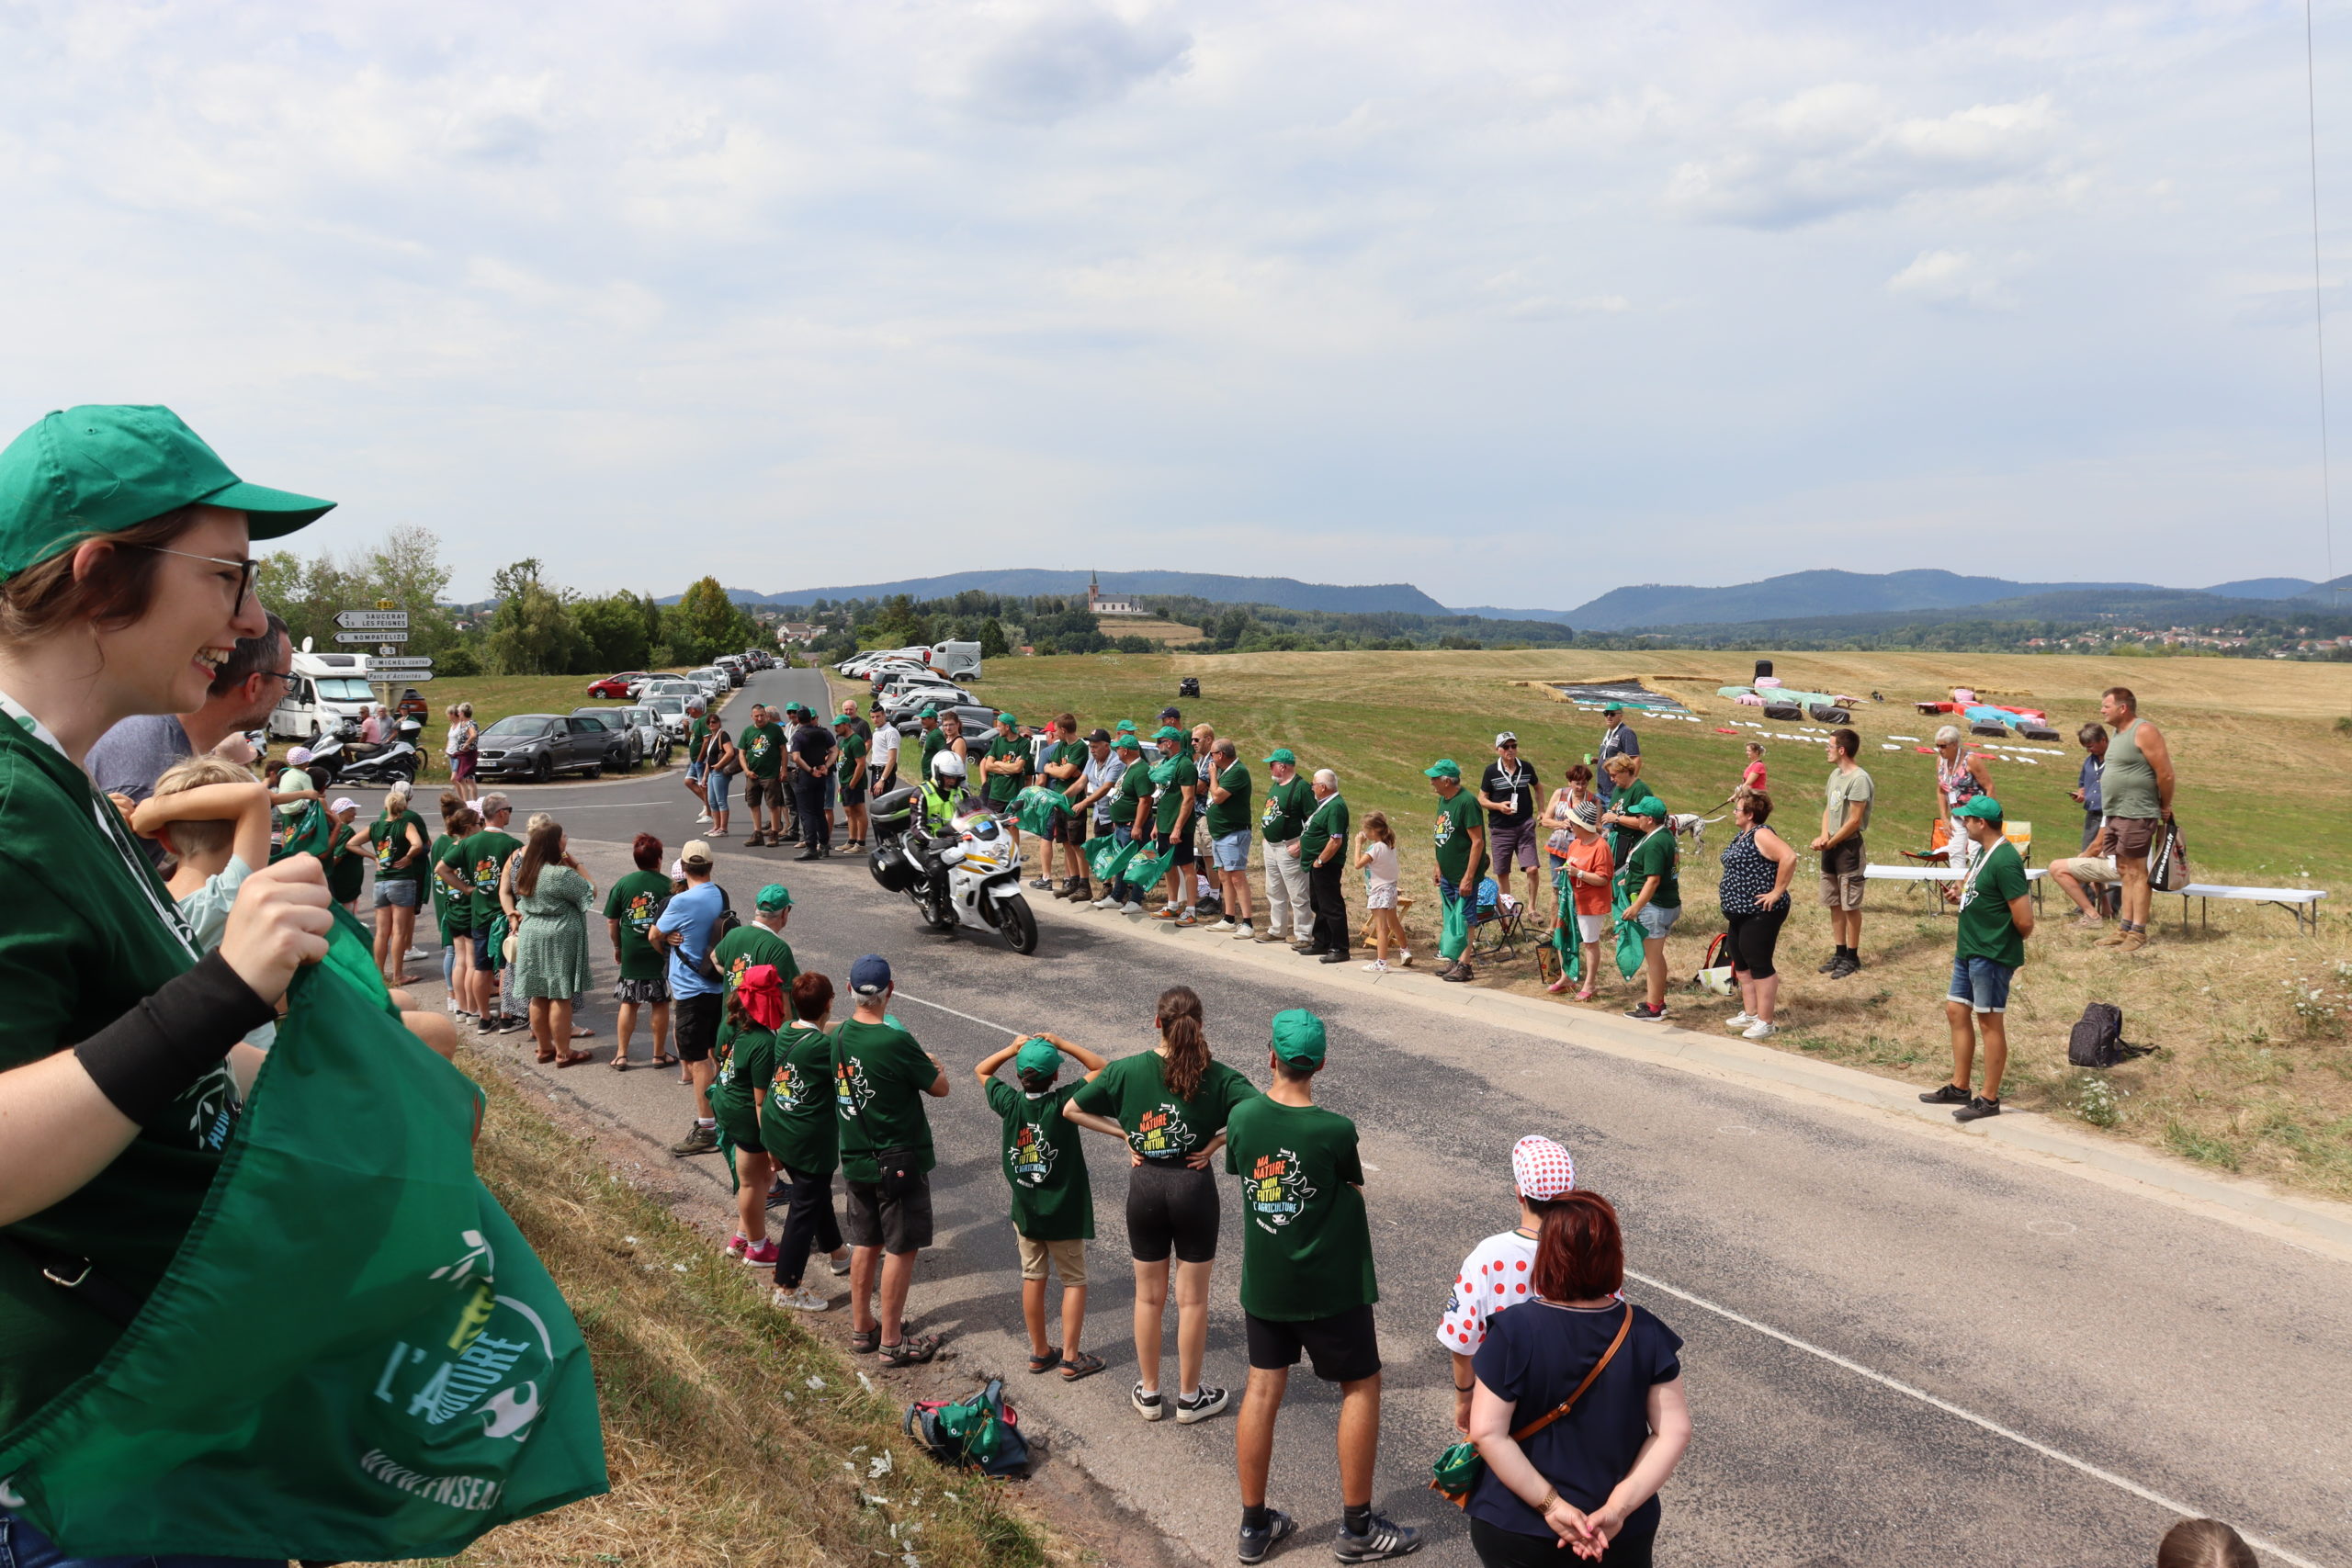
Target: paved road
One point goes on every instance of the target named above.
(1897, 1351)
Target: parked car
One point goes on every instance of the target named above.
(537, 745)
(712, 678)
(413, 706)
(619, 685)
(979, 722)
(626, 749)
(653, 740)
(670, 713)
(733, 664)
(675, 686)
(914, 699)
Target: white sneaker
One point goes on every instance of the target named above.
(1405, 959)
(703, 818)
(1760, 1029)
(1131, 907)
(801, 1299)
(1224, 925)
(1105, 902)
(1739, 1019)
(414, 955)
(450, 1004)
(1377, 966)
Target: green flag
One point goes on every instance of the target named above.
(1108, 858)
(1453, 935)
(310, 833)
(1145, 868)
(355, 1356)
(1629, 935)
(1563, 938)
(1037, 807)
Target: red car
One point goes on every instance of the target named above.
(616, 685)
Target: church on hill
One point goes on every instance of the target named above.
(1096, 604)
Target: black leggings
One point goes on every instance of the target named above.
(809, 1220)
(1499, 1548)
(1169, 1204)
(1749, 943)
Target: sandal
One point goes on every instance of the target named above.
(620, 1064)
(543, 1060)
(578, 1034)
(664, 1061)
(1585, 995)
(912, 1351)
(1085, 1364)
(1046, 1362)
(864, 1341)
(572, 1058)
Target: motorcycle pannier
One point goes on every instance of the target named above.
(891, 812)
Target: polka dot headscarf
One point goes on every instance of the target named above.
(1541, 1169)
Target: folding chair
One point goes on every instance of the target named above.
(1496, 922)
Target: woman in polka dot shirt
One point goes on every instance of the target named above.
(1500, 1271)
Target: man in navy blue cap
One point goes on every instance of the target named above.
(880, 1075)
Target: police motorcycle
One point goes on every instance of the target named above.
(958, 867)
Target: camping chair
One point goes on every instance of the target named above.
(1496, 922)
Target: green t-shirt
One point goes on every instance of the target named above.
(853, 765)
(1070, 752)
(746, 1064)
(96, 933)
(1132, 795)
(484, 855)
(762, 746)
(1159, 1123)
(1654, 856)
(1620, 839)
(933, 741)
(1305, 1244)
(1325, 820)
(1986, 928)
(636, 901)
(438, 855)
(346, 867)
(390, 839)
(1171, 776)
(797, 1123)
(1004, 787)
(1045, 1164)
(750, 945)
(1455, 818)
(1287, 804)
(696, 733)
(880, 1076)
(1230, 815)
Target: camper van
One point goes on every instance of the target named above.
(956, 660)
(327, 688)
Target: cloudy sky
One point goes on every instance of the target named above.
(1517, 303)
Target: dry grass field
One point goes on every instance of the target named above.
(2254, 1073)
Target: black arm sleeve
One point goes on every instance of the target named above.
(143, 1060)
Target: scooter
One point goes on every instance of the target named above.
(395, 761)
(964, 877)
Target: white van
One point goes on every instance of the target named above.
(327, 688)
(956, 660)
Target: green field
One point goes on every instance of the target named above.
(2255, 1074)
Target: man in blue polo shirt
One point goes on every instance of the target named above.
(687, 931)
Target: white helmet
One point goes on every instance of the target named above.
(947, 765)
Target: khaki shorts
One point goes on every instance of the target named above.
(1069, 1258)
(2088, 868)
(1841, 890)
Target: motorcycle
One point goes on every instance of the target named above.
(396, 761)
(964, 876)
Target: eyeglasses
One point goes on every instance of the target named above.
(285, 675)
(245, 569)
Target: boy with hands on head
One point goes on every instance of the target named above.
(1053, 1201)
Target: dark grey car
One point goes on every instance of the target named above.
(538, 746)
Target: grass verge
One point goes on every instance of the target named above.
(733, 1436)
(494, 697)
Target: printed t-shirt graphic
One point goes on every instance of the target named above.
(748, 946)
(1287, 805)
(878, 1083)
(486, 855)
(389, 835)
(1043, 1162)
(1159, 1123)
(1305, 1243)
(763, 746)
(797, 1119)
(636, 901)
(1455, 818)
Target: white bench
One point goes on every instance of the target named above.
(2301, 902)
(1923, 875)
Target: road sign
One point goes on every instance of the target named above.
(383, 620)
(394, 634)
(409, 677)
(407, 662)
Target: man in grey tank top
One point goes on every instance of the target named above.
(2135, 793)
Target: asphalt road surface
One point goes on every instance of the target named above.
(1897, 1351)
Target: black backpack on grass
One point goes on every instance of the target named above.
(2097, 1040)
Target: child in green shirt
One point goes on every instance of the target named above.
(1053, 1202)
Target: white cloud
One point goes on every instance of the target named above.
(1071, 58)
(1960, 278)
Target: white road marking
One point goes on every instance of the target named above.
(1881, 1379)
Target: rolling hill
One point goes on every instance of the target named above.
(1284, 592)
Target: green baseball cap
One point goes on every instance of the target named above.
(1443, 768)
(1168, 732)
(102, 467)
(774, 896)
(1128, 741)
(1298, 1037)
(1038, 1056)
(1126, 727)
(1282, 754)
(1983, 806)
(1647, 805)
(1008, 721)
(928, 713)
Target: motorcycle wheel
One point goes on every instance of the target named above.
(406, 774)
(1018, 926)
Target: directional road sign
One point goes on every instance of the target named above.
(406, 661)
(393, 633)
(409, 677)
(383, 620)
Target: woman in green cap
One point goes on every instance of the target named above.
(126, 578)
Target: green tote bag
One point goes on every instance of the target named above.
(355, 1356)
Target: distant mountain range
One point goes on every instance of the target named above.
(1883, 598)
(1284, 592)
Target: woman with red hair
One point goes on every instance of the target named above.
(1579, 1409)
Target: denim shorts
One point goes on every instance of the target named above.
(1981, 985)
(396, 892)
(1230, 851)
(1656, 922)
